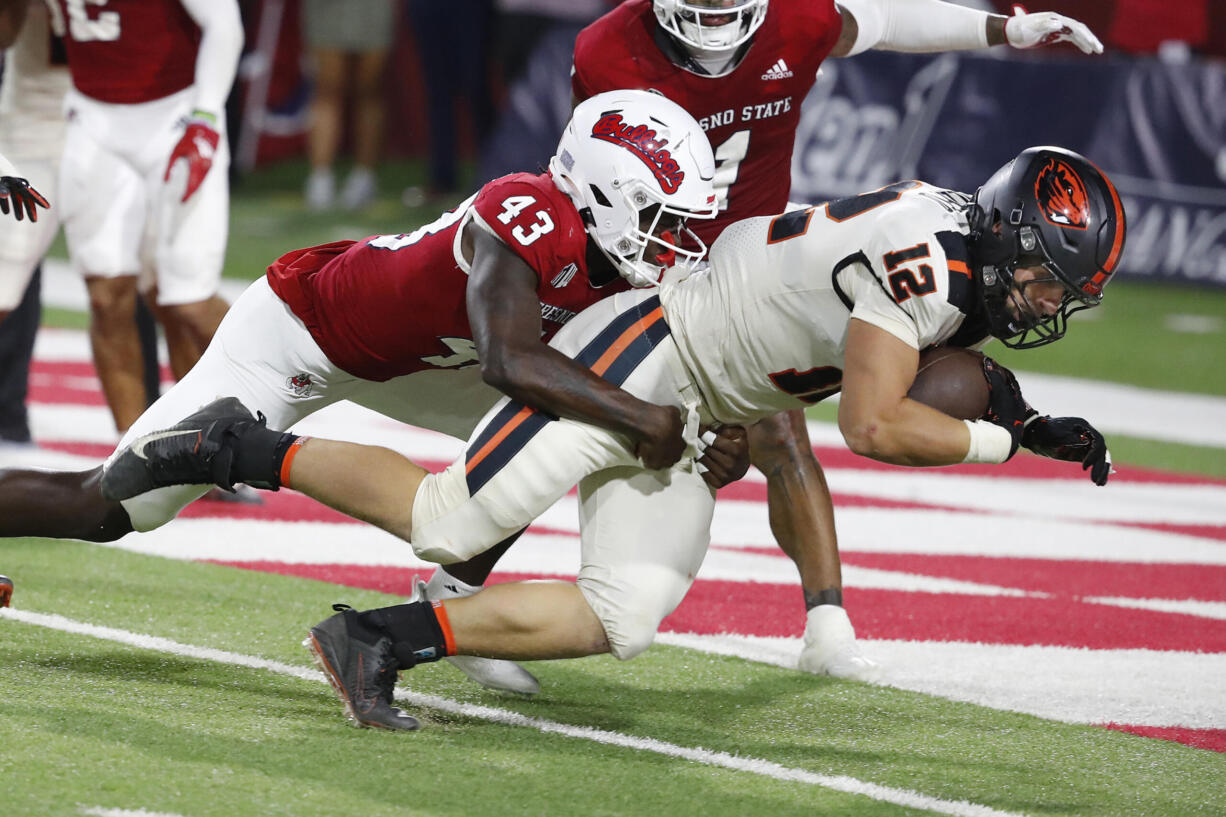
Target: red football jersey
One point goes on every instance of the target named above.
(750, 115)
(129, 51)
(390, 305)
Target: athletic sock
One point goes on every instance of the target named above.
(262, 456)
(420, 631)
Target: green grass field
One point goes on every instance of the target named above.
(89, 722)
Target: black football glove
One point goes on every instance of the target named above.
(1006, 406)
(23, 196)
(1071, 439)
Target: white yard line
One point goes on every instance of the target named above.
(764, 768)
(1075, 685)
(98, 811)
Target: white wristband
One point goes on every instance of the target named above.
(989, 442)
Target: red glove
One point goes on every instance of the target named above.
(197, 146)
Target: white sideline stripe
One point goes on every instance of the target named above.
(1070, 684)
(98, 811)
(1187, 607)
(1187, 418)
(1073, 497)
(763, 768)
(860, 531)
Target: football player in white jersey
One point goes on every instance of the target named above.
(31, 138)
(839, 297)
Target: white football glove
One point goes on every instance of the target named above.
(1024, 30)
(830, 647)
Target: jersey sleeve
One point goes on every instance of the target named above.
(874, 305)
(921, 275)
(532, 220)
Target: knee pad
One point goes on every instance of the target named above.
(448, 526)
(631, 602)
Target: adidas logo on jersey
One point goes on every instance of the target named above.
(779, 70)
(564, 277)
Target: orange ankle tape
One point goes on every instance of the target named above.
(440, 612)
(288, 460)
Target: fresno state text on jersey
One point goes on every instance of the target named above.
(391, 305)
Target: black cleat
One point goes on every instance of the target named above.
(6, 591)
(363, 674)
(196, 451)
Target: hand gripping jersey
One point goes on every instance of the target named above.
(750, 115)
(764, 329)
(129, 51)
(391, 305)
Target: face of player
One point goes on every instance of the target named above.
(1036, 293)
(714, 19)
(667, 228)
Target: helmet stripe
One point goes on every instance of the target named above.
(1117, 239)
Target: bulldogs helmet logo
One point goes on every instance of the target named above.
(644, 143)
(1062, 195)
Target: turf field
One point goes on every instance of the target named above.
(1062, 663)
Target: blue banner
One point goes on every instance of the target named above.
(1157, 129)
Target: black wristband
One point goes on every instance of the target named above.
(831, 595)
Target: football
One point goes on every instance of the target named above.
(951, 381)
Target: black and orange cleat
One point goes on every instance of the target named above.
(360, 666)
(6, 591)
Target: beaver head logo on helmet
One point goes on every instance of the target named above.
(1061, 195)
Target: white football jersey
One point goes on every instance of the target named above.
(764, 328)
(32, 94)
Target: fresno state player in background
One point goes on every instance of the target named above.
(742, 68)
(31, 137)
(420, 326)
(144, 194)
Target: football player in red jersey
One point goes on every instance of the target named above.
(432, 326)
(742, 68)
(144, 194)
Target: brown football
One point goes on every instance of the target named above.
(951, 381)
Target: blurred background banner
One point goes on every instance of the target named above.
(1157, 128)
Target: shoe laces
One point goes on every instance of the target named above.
(385, 677)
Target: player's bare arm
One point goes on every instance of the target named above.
(877, 418)
(504, 312)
